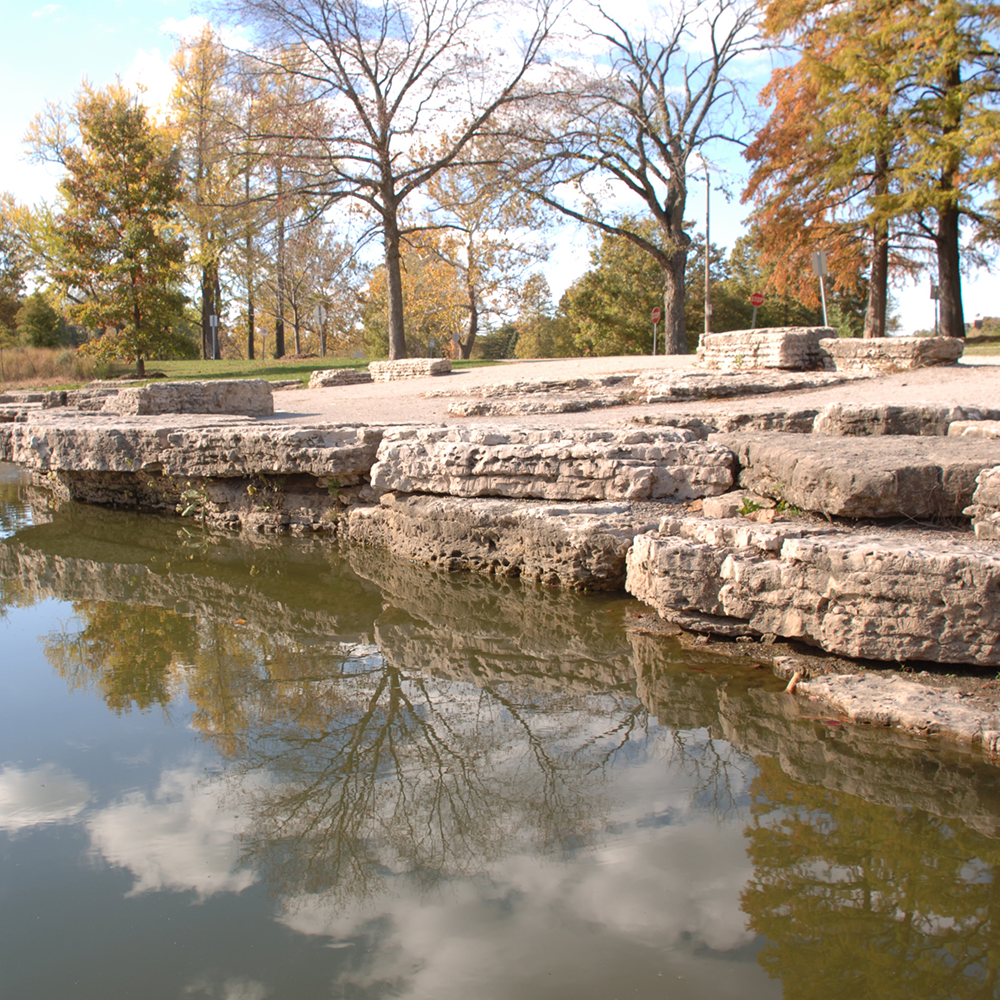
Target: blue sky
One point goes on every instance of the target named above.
(59, 44)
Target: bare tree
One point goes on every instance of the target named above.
(409, 84)
(638, 124)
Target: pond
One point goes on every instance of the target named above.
(249, 768)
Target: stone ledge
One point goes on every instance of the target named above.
(581, 546)
(883, 596)
(885, 354)
(389, 371)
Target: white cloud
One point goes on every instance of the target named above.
(151, 71)
(47, 11)
(46, 794)
(181, 839)
(185, 27)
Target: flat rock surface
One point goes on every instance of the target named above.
(863, 477)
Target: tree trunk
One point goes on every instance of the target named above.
(394, 279)
(206, 312)
(250, 326)
(279, 310)
(674, 325)
(878, 283)
(950, 274)
(470, 335)
(140, 367)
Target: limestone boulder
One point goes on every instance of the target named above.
(581, 546)
(248, 397)
(552, 464)
(862, 477)
(907, 595)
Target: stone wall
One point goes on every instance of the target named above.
(389, 371)
(248, 397)
(887, 354)
(791, 347)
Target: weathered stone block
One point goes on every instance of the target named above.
(331, 377)
(388, 371)
(790, 347)
(581, 546)
(549, 464)
(862, 476)
(881, 354)
(906, 596)
(249, 397)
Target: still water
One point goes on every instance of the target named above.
(278, 769)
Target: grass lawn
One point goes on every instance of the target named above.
(986, 344)
(269, 369)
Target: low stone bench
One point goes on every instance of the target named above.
(789, 347)
(389, 371)
(331, 377)
(247, 397)
(887, 354)
(550, 464)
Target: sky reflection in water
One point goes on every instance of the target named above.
(279, 769)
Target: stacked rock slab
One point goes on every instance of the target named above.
(791, 347)
(923, 420)
(249, 397)
(887, 354)
(550, 464)
(389, 371)
(889, 597)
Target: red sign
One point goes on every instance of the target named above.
(657, 314)
(757, 299)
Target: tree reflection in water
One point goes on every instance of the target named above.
(859, 900)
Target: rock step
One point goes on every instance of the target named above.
(857, 477)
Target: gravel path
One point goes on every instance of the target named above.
(975, 381)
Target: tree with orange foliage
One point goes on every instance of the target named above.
(875, 145)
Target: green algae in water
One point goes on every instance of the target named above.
(249, 768)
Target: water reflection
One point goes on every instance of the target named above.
(456, 785)
(868, 900)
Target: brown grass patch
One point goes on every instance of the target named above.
(43, 367)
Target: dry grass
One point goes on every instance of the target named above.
(44, 367)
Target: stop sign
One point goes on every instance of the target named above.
(757, 299)
(657, 314)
